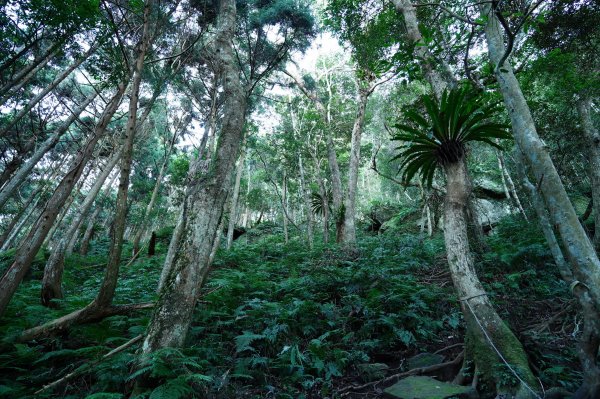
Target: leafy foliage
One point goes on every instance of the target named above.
(440, 136)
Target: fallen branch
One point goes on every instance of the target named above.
(88, 314)
(86, 366)
(420, 370)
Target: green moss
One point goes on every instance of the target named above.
(494, 375)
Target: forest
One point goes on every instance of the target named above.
(300, 199)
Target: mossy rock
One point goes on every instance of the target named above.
(420, 387)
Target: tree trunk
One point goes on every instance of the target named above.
(579, 249)
(173, 246)
(152, 245)
(53, 271)
(510, 184)
(27, 73)
(234, 198)
(310, 221)
(57, 80)
(203, 205)
(349, 237)
(30, 246)
(589, 342)
(284, 206)
(150, 207)
(109, 283)
(483, 323)
(9, 228)
(592, 139)
(24, 171)
(428, 62)
(102, 304)
(89, 231)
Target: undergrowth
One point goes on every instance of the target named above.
(281, 321)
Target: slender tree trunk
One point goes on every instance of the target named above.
(25, 170)
(17, 230)
(349, 237)
(578, 247)
(57, 80)
(30, 246)
(150, 207)
(310, 221)
(203, 205)
(109, 283)
(589, 342)
(428, 62)
(284, 205)
(234, 199)
(172, 251)
(592, 138)
(483, 323)
(6, 64)
(66, 210)
(9, 228)
(25, 75)
(89, 231)
(52, 280)
(510, 184)
(102, 304)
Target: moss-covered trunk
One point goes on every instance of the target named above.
(487, 334)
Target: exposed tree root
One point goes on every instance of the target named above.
(394, 377)
(91, 313)
(86, 366)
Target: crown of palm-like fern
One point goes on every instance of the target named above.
(440, 136)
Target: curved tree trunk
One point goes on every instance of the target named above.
(203, 205)
(234, 199)
(24, 171)
(310, 221)
(578, 247)
(57, 80)
(27, 73)
(53, 271)
(349, 237)
(102, 304)
(30, 246)
(89, 232)
(483, 323)
(592, 138)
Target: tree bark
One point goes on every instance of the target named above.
(53, 271)
(27, 73)
(428, 62)
(349, 238)
(109, 283)
(57, 80)
(150, 207)
(592, 139)
(589, 342)
(9, 228)
(102, 304)
(284, 206)
(30, 246)
(310, 221)
(203, 205)
(578, 247)
(89, 231)
(24, 171)
(234, 199)
(483, 323)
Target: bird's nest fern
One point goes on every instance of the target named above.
(439, 136)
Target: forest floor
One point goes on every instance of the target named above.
(281, 321)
